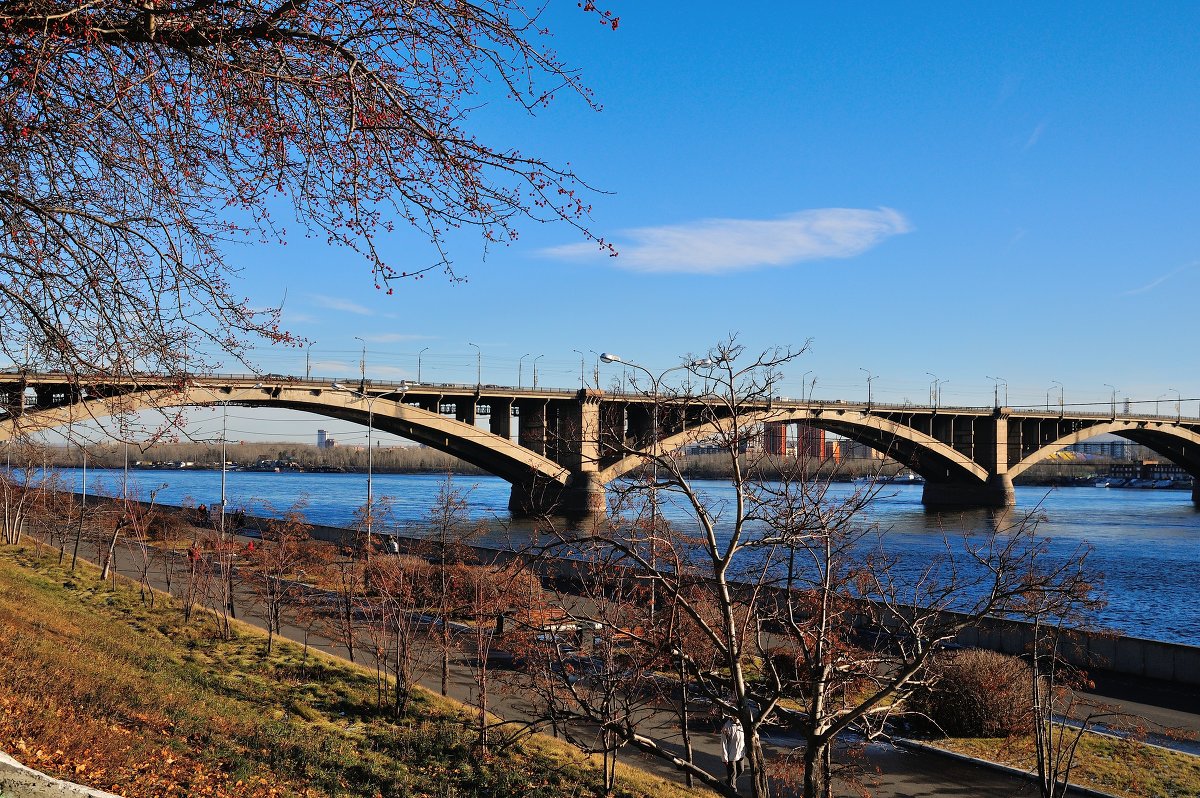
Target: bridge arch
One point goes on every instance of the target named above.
(923, 454)
(479, 447)
(1179, 444)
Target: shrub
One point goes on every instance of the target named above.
(978, 693)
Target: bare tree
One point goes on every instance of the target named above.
(275, 565)
(445, 541)
(140, 141)
(785, 589)
(20, 486)
(1062, 712)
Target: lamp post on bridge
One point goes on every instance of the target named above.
(1178, 411)
(423, 351)
(933, 389)
(535, 360)
(803, 379)
(362, 365)
(370, 402)
(520, 363)
(655, 445)
(870, 377)
(596, 369)
(582, 381)
(308, 360)
(1114, 400)
(996, 390)
(1062, 406)
(478, 365)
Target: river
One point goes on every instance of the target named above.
(1146, 542)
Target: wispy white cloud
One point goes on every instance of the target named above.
(394, 338)
(333, 366)
(1156, 282)
(717, 246)
(344, 305)
(389, 371)
(1035, 136)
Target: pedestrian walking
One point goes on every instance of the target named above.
(733, 749)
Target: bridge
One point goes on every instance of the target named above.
(560, 448)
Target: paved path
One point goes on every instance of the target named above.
(890, 772)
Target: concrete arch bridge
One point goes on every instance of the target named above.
(560, 448)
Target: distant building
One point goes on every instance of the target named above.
(1150, 470)
(810, 442)
(775, 438)
(322, 439)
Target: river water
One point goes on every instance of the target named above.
(1146, 542)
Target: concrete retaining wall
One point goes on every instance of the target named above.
(18, 780)
(1128, 656)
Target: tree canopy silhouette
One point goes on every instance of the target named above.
(139, 139)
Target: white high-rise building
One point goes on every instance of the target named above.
(322, 441)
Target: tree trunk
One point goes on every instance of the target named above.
(112, 547)
(816, 772)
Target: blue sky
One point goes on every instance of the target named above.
(966, 190)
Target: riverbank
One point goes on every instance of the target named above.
(159, 705)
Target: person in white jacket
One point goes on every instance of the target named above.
(733, 749)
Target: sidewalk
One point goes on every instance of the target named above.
(889, 772)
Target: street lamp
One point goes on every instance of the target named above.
(370, 401)
(596, 369)
(996, 390)
(478, 364)
(870, 377)
(362, 365)
(1114, 399)
(1178, 411)
(520, 364)
(933, 394)
(535, 360)
(803, 381)
(224, 403)
(423, 351)
(1061, 402)
(941, 384)
(582, 381)
(308, 360)
(609, 357)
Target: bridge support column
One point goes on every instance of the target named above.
(1196, 491)
(579, 452)
(996, 492)
(582, 497)
(500, 421)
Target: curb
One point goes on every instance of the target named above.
(18, 780)
(925, 748)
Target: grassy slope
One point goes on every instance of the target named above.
(1121, 767)
(99, 689)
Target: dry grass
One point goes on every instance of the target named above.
(1118, 766)
(99, 689)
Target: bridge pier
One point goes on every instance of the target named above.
(996, 492)
(1196, 490)
(582, 497)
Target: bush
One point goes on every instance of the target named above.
(978, 693)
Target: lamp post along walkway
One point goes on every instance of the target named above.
(370, 401)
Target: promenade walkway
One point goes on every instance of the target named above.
(889, 771)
